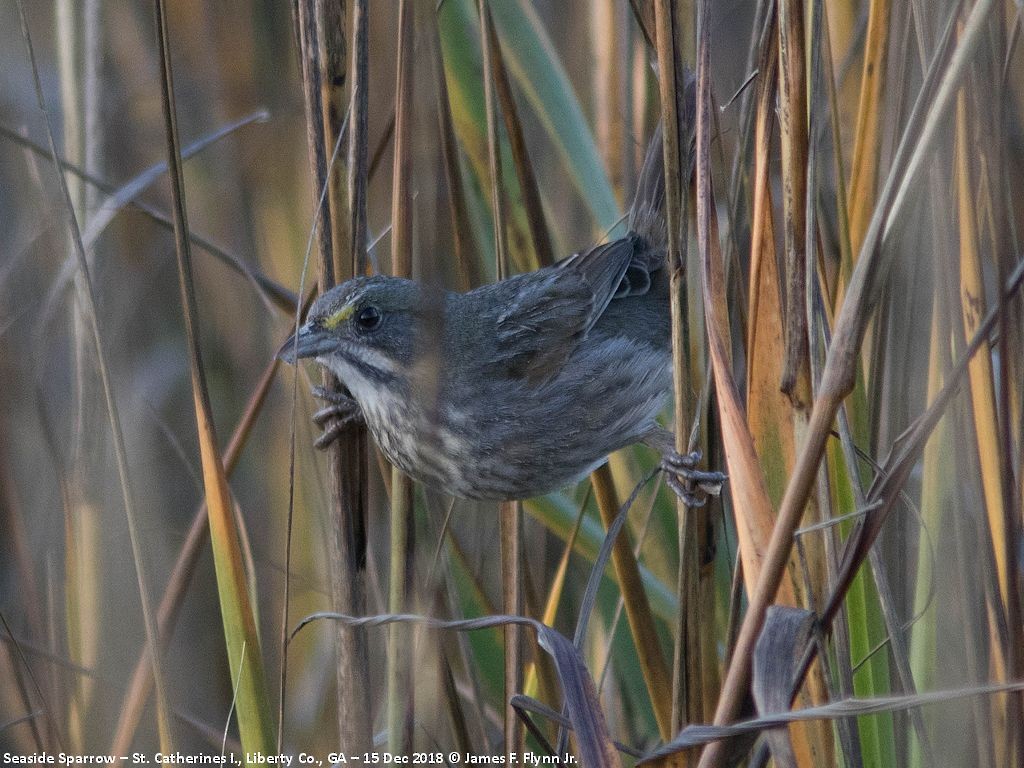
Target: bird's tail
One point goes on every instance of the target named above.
(647, 213)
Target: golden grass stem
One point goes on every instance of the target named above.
(240, 632)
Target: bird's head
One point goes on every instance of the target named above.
(363, 331)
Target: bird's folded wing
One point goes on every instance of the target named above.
(540, 328)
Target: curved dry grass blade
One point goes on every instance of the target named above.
(746, 478)
(785, 634)
(558, 515)
(254, 721)
(130, 190)
(763, 277)
(88, 296)
(601, 563)
(697, 735)
(524, 704)
(276, 294)
(584, 707)
(128, 193)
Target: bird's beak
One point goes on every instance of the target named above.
(310, 341)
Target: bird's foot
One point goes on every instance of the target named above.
(690, 484)
(342, 412)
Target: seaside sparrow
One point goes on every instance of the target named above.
(520, 387)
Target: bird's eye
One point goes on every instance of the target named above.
(369, 318)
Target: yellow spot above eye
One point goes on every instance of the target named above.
(333, 321)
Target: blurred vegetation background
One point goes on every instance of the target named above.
(807, 145)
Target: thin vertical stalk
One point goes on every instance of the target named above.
(793, 132)
(399, 681)
(357, 146)
(511, 526)
(609, 39)
(686, 691)
(493, 143)
(510, 512)
(347, 457)
(520, 157)
(330, 25)
(83, 561)
(867, 138)
(466, 268)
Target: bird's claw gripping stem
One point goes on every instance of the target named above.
(692, 485)
(343, 410)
